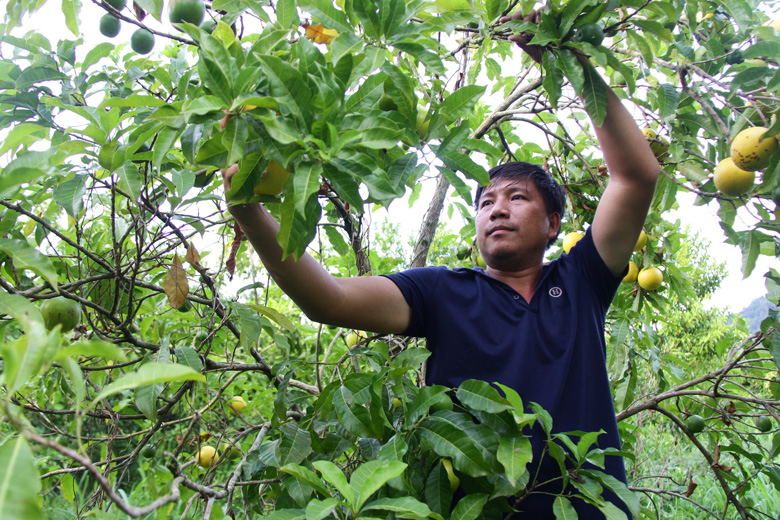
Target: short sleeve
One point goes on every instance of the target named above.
(589, 262)
(418, 285)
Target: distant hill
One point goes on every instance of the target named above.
(755, 313)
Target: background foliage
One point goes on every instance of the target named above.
(108, 200)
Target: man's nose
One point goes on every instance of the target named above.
(498, 209)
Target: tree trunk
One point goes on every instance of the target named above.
(429, 223)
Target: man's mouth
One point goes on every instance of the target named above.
(499, 228)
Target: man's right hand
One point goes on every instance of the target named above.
(522, 39)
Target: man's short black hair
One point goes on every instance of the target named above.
(552, 192)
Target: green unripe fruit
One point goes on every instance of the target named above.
(695, 423)
(590, 33)
(148, 451)
(61, 311)
(763, 423)
(186, 11)
(185, 307)
(142, 41)
(109, 26)
(117, 4)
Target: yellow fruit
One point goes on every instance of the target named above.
(731, 179)
(396, 403)
(774, 24)
(353, 338)
(641, 242)
(272, 181)
(750, 152)
(650, 278)
(570, 240)
(658, 145)
(633, 271)
(451, 476)
(236, 405)
(207, 457)
(61, 311)
(231, 452)
(481, 261)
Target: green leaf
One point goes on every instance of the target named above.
(515, 454)
(297, 230)
(306, 183)
(668, 97)
(295, 445)
(750, 245)
(594, 92)
(24, 357)
(285, 514)
(306, 476)
(20, 308)
(612, 512)
(146, 400)
(90, 348)
(372, 475)
(404, 507)
(479, 395)
(188, 356)
(333, 475)
(76, 378)
(70, 9)
(26, 167)
(326, 13)
(620, 489)
(352, 416)
(153, 7)
(449, 440)
(202, 106)
(280, 319)
(319, 509)
(149, 374)
(70, 195)
(101, 50)
(134, 100)
(216, 77)
(461, 102)
(563, 509)
(19, 482)
(27, 257)
(234, 139)
(571, 68)
(470, 507)
(553, 78)
(287, 85)
(641, 44)
(33, 75)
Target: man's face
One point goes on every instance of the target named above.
(513, 227)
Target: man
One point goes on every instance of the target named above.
(538, 328)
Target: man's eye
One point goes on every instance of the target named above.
(485, 203)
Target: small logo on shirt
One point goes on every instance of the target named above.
(555, 292)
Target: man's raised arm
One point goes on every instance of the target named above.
(633, 170)
(372, 303)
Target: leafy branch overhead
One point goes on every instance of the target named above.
(150, 364)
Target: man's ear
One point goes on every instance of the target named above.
(554, 220)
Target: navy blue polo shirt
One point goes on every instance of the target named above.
(551, 350)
